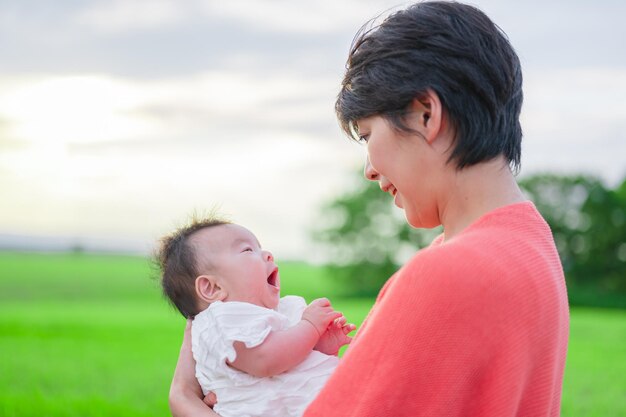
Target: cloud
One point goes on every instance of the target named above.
(561, 33)
(118, 118)
(70, 109)
(288, 16)
(120, 16)
(100, 108)
(575, 119)
(565, 100)
(256, 144)
(280, 16)
(273, 183)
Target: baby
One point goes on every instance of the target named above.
(261, 355)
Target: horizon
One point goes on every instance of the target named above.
(118, 119)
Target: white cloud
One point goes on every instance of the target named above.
(96, 108)
(120, 16)
(249, 157)
(298, 16)
(273, 184)
(575, 119)
(65, 109)
(246, 119)
(295, 16)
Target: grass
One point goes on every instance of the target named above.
(594, 382)
(87, 335)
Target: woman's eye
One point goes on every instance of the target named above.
(363, 138)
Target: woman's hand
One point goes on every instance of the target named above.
(186, 399)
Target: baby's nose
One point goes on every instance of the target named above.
(267, 255)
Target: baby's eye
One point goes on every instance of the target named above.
(247, 249)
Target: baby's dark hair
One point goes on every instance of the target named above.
(452, 49)
(177, 262)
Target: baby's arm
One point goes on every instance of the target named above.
(285, 349)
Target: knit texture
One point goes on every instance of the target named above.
(476, 326)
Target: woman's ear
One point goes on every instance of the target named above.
(427, 115)
(209, 290)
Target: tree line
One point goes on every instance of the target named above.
(369, 239)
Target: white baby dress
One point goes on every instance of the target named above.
(240, 394)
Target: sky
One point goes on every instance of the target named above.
(120, 118)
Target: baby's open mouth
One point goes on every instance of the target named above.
(273, 278)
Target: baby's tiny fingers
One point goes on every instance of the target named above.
(335, 315)
(323, 302)
(348, 328)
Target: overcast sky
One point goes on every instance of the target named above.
(118, 118)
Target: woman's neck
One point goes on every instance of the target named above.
(475, 191)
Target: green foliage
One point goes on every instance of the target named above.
(589, 226)
(367, 238)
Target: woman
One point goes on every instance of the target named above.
(477, 323)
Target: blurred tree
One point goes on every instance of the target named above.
(367, 238)
(589, 226)
(559, 199)
(602, 262)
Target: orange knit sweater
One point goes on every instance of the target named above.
(476, 326)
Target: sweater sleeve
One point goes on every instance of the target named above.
(439, 336)
(474, 327)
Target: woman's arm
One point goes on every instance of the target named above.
(186, 399)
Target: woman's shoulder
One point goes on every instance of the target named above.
(447, 265)
(507, 251)
(504, 234)
(463, 268)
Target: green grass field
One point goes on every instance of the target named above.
(86, 335)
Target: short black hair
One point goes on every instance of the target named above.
(456, 51)
(179, 267)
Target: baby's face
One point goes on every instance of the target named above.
(243, 270)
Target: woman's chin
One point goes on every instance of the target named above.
(397, 200)
(415, 220)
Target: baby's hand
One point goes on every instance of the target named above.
(335, 337)
(320, 314)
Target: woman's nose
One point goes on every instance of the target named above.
(370, 173)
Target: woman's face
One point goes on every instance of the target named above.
(407, 167)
